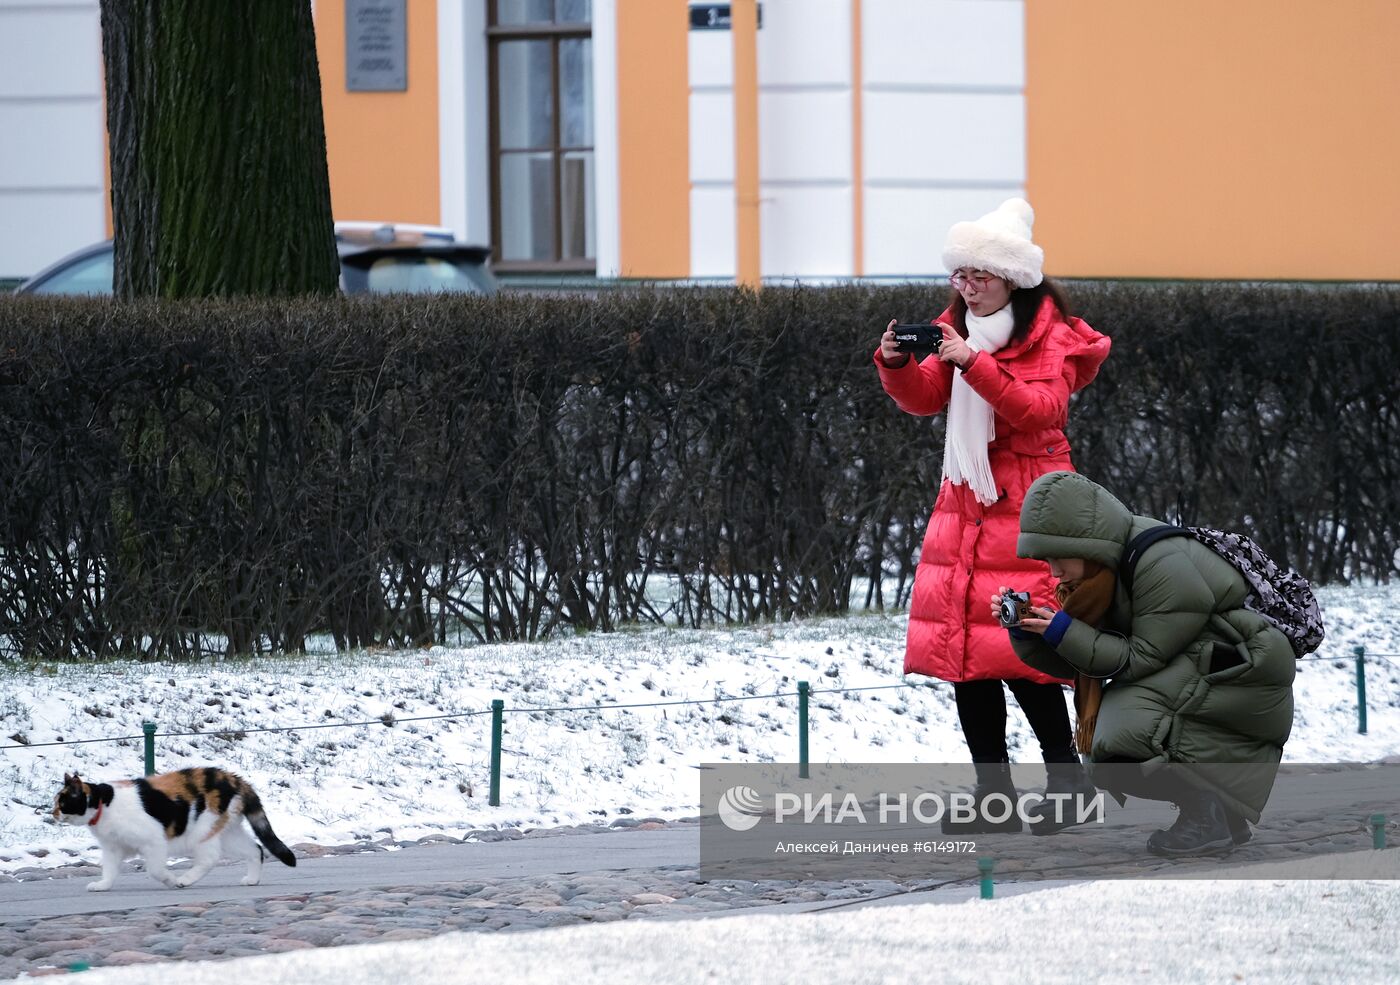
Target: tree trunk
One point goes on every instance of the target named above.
(218, 149)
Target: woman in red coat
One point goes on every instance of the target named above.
(1010, 359)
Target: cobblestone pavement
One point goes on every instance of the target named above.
(185, 931)
(310, 850)
(295, 921)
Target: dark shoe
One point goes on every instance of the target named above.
(1062, 778)
(992, 778)
(1239, 828)
(1200, 829)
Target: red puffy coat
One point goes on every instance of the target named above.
(970, 549)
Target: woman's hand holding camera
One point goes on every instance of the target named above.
(1036, 623)
(889, 355)
(955, 349)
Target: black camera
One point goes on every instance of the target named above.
(1014, 607)
(918, 340)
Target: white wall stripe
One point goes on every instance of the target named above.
(478, 126)
(606, 191)
(452, 117)
(939, 183)
(943, 87)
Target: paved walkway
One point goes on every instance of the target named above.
(418, 865)
(387, 895)
(546, 879)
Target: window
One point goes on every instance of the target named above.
(89, 275)
(542, 134)
(417, 274)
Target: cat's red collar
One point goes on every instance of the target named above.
(98, 816)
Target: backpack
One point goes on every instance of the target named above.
(1280, 595)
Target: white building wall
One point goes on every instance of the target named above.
(452, 116)
(943, 132)
(806, 163)
(607, 194)
(52, 154)
(944, 122)
(712, 230)
(805, 143)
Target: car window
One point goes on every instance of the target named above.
(90, 275)
(426, 274)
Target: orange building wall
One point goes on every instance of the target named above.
(382, 146)
(653, 131)
(1214, 138)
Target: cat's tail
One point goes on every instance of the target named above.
(253, 811)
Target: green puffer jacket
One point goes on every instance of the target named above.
(1161, 703)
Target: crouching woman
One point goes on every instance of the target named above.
(1173, 670)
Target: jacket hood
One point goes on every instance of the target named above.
(1068, 516)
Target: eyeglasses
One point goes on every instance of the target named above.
(979, 280)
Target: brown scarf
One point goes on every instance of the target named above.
(1087, 600)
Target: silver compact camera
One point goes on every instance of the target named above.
(1014, 607)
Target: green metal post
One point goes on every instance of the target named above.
(985, 866)
(1361, 689)
(150, 729)
(1378, 831)
(497, 713)
(803, 691)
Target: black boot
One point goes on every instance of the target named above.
(1062, 778)
(992, 778)
(1200, 829)
(1239, 827)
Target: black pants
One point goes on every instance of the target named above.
(982, 712)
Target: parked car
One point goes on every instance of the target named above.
(375, 257)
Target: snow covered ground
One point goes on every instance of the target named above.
(594, 764)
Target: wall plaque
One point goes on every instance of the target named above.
(376, 46)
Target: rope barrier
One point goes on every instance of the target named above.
(877, 687)
(390, 721)
(1337, 659)
(74, 742)
(533, 709)
(387, 720)
(657, 704)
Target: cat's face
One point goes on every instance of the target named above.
(71, 804)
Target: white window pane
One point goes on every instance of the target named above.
(576, 92)
(525, 95)
(575, 11)
(527, 207)
(90, 276)
(524, 11)
(576, 198)
(424, 275)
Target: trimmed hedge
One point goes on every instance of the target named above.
(396, 471)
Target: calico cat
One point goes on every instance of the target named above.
(193, 812)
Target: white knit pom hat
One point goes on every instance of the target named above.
(999, 243)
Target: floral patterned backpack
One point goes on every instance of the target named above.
(1280, 595)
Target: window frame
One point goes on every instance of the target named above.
(555, 33)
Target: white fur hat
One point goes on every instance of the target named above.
(999, 243)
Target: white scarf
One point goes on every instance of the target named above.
(970, 420)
